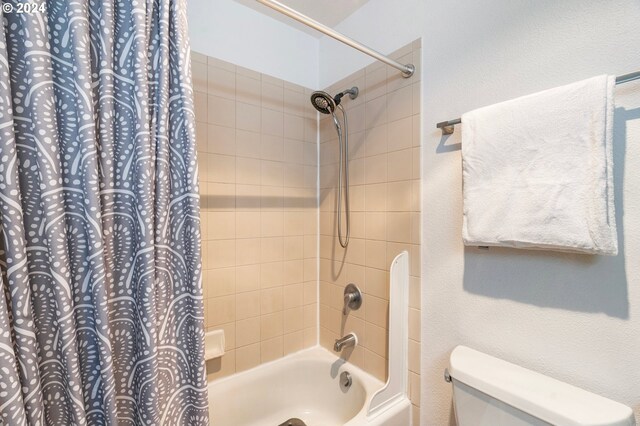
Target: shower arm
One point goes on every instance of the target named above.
(353, 93)
(407, 70)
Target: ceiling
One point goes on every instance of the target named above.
(327, 12)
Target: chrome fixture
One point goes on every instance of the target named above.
(349, 340)
(448, 126)
(345, 381)
(352, 298)
(447, 376)
(324, 103)
(407, 70)
(293, 422)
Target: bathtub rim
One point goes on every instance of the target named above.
(317, 352)
(306, 353)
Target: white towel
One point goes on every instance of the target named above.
(538, 171)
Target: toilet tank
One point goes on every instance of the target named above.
(488, 391)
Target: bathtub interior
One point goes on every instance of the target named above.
(305, 385)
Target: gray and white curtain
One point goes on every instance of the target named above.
(102, 316)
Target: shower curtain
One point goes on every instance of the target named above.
(102, 316)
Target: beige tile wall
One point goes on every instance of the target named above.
(384, 151)
(257, 148)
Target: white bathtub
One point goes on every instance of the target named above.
(303, 385)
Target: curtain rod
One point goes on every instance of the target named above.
(448, 126)
(407, 70)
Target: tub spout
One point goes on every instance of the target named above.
(349, 340)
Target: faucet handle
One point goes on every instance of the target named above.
(349, 297)
(352, 298)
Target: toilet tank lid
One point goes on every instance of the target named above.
(540, 396)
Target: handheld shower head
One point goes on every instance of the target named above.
(324, 103)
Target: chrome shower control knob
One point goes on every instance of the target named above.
(352, 297)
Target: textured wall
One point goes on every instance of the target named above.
(257, 153)
(384, 172)
(574, 317)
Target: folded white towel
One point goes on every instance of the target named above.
(538, 171)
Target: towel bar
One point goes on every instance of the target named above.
(448, 126)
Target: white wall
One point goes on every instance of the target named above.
(235, 33)
(573, 317)
(372, 26)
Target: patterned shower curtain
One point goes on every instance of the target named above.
(102, 316)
